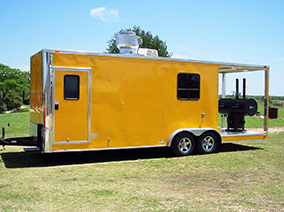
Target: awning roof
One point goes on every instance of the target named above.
(233, 68)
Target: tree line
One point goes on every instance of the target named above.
(14, 87)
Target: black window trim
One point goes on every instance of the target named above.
(78, 89)
(187, 89)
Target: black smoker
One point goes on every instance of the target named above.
(237, 109)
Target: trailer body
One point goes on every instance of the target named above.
(85, 101)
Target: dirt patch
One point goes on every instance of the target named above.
(270, 130)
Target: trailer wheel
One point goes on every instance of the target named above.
(183, 144)
(207, 143)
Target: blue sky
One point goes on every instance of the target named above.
(243, 31)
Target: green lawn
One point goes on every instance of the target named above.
(239, 177)
(247, 177)
(19, 122)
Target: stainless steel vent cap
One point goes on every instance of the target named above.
(128, 42)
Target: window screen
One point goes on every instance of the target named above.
(188, 86)
(71, 87)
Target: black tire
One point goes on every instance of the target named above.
(183, 144)
(207, 143)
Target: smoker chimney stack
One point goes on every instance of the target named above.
(244, 88)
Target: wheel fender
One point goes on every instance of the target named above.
(195, 131)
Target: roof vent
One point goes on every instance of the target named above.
(148, 52)
(127, 42)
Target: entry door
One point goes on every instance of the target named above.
(71, 105)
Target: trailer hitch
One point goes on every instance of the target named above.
(21, 141)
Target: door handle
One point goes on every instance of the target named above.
(56, 106)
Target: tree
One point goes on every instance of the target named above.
(14, 83)
(149, 41)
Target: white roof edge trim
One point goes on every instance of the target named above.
(224, 67)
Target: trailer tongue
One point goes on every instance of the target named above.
(32, 141)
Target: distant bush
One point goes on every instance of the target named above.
(3, 106)
(16, 104)
(10, 104)
(276, 103)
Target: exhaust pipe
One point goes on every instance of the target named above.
(244, 88)
(237, 88)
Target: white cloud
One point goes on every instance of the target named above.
(183, 53)
(178, 56)
(104, 14)
(186, 49)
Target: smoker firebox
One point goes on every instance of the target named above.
(236, 109)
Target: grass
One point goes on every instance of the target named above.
(247, 177)
(19, 122)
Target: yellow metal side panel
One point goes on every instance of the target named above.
(127, 99)
(179, 114)
(144, 103)
(134, 101)
(188, 114)
(36, 108)
(107, 106)
(209, 96)
(74, 60)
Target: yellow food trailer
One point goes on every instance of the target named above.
(86, 101)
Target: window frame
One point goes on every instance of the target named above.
(77, 91)
(188, 89)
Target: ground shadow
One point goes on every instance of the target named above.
(26, 160)
(233, 147)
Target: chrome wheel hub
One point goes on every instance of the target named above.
(208, 143)
(185, 145)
